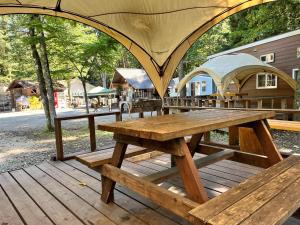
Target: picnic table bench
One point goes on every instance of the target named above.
(166, 134)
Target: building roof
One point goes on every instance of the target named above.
(137, 78)
(158, 33)
(21, 84)
(256, 43)
(236, 67)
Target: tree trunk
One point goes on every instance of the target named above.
(46, 73)
(181, 76)
(104, 77)
(41, 80)
(85, 96)
(69, 92)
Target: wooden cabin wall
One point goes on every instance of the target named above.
(283, 89)
(285, 51)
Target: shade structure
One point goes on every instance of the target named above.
(158, 33)
(99, 91)
(235, 67)
(137, 78)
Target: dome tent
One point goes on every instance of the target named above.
(235, 67)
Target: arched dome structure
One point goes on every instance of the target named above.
(158, 33)
(237, 68)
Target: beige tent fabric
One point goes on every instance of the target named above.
(157, 32)
(235, 67)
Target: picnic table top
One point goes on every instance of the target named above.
(168, 127)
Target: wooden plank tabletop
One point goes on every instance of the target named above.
(168, 127)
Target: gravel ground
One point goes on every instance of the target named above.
(24, 142)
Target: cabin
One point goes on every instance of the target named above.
(198, 86)
(132, 83)
(75, 92)
(22, 89)
(282, 52)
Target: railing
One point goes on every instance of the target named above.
(236, 103)
(91, 124)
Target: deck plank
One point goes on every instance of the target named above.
(48, 203)
(8, 215)
(138, 198)
(139, 210)
(74, 203)
(28, 210)
(115, 213)
(75, 189)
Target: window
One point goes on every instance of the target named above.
(266, 80)
(298, 53)
(197, 89)
(193, 89)
(268, 58)
(296, 74)
(203, 86)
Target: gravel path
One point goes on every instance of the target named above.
(24, 142)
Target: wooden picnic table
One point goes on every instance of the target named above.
(166, 134)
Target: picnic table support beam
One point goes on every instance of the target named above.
(108, 185)
(268, 146)
(233, 133)
(189, 173)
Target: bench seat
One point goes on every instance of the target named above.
(267, 198)
(284, 125)
(96, 159)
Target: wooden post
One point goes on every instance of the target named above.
(92, 133)
(233, 135)
(58, 140)
(222, 103)
(108, 185)
(259, 103)
(189, 174)
(166, 111)
(230, 103)
(141, 115)
(118, 116)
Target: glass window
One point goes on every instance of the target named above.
(296, 74)
(203, 88)
(261, 80)
(298, 53)
(266, 80)
(197, 89)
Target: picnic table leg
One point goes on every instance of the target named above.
(108, 185)
(92, 133)
(194, 142)
(233, 135)
(189, 173)
(266, 141)
(58, 140)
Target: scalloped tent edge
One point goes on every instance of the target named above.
(159, 74)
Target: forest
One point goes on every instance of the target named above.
(47, 49)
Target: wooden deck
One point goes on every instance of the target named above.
(69, 193)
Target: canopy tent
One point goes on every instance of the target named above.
(236, 67)
(100, 91)
(137, 78)
(158, 33)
